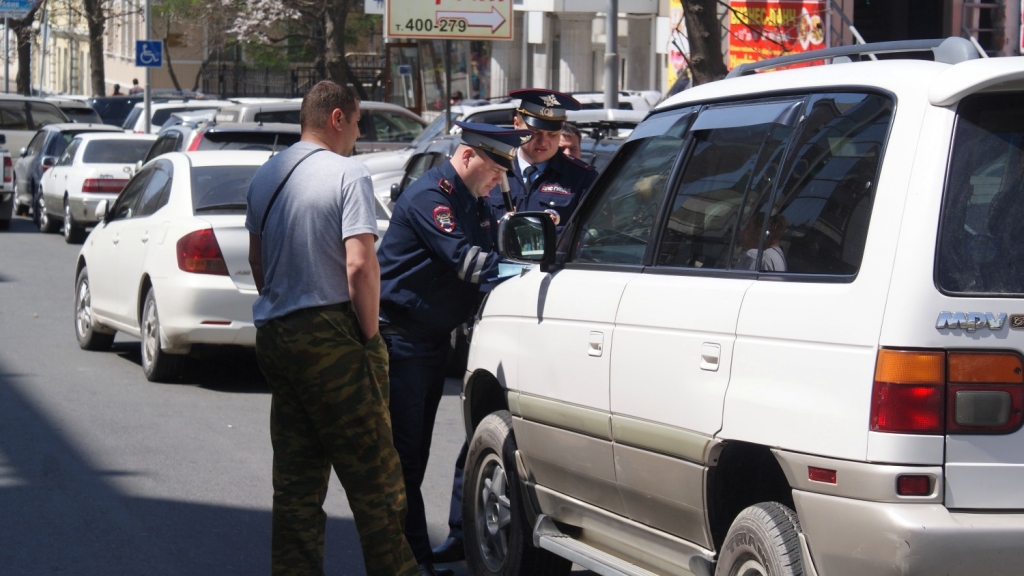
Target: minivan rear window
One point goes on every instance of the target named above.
(981, 239)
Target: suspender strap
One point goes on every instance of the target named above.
(266, 213)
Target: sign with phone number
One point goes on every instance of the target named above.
(450, 19)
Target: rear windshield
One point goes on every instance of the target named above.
(221, 188)
(82, 115)
(981, 242)
(231, 140)
(115, 151)
(161, 116)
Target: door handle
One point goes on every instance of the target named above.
(145, 237)
(710, 354)
(117, 239)
(596, 347)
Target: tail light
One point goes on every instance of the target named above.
(195, 141)
(103, 185)
(199, 253)
(937, 392)
(8, 170)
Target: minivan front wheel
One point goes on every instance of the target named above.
(497, 533)
(763, 540)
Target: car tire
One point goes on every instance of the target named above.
(763, 539)
(85, 326)
(497, 533)
(19, 208)
(74, 233)
(156, 364)
(47, 225)
(36, 197)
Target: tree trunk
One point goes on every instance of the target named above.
(167, 55)
(97, 22)
(23, 33)
(337, 68)
(707, 63)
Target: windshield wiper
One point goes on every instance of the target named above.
(226, 206)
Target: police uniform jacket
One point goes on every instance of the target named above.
(439, 248)
(559, 187)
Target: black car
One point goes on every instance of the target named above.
(114, 109)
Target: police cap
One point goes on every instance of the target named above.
(544, 109)
(498, 143)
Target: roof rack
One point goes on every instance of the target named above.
(952, 50)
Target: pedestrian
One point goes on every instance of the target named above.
(545, 180)
(456, 98)
(135, 89)
(440, 248)
(311, 229)
(570, 139)
(117, 90)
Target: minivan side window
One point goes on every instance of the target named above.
(981, 236)
(818, 221)
(12, 115)
(736, 156)
(44, 114)
(621, 210)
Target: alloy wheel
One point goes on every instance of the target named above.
(83, 311)
(150, 334)
(494, 513)
(66, 228)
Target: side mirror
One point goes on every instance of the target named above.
(22, 151)
(101, 210)
(528, 238)
(396, 191)
(49, 161)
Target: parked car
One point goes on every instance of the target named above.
(77, 110)
(115, 109)
(94, 167)
(22, 116)
(168, 263)
(382, 126)
(6, 187)
(640, 100)
(160, 112)
(781, 335)
(230, 136)
(40, 155)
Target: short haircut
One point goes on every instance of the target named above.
(322, 100)
(569, 129)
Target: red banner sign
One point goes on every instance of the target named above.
(762, 29)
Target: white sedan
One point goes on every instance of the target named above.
(169, 261)
(94, 167)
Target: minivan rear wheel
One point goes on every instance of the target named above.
(499, 539)
(763, 540)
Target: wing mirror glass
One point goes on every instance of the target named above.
(527, 238)
(48, 161)
(101, 210)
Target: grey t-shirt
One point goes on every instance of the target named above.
(327, 199)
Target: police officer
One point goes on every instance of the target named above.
(439, 249)
(544, 178)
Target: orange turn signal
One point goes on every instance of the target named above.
(910, 367)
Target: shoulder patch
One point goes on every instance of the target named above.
(445, 186)
(444, 219)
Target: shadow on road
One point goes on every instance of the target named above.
(22, 225)
(222, 369)
(61, 515)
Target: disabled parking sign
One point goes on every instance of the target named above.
(149, 53)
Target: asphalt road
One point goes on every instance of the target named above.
(102, 472)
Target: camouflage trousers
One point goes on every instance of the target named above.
(329, 407)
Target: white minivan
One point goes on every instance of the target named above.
(782, 334)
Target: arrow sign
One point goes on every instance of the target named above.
(492, 19)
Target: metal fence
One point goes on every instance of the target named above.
(238, 79)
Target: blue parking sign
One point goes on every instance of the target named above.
(149, 53)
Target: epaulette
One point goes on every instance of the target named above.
(445, 185)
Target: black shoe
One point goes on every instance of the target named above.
(451, 550)
(429, 570)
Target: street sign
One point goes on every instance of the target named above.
(404, 70)
(450, 19)
(16, 9)
(149, 53)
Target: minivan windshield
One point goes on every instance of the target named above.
(981, 243)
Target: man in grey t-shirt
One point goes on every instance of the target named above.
(311, 229)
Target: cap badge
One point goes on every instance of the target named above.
(550, 101)
(547, 112)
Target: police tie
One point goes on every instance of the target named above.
(528, 175)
